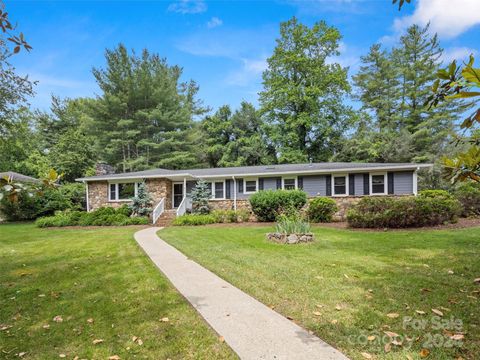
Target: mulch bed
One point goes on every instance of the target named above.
(461, 224)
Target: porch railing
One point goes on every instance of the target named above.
(158, 211)
(182, 208)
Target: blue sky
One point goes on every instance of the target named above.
(222, 45)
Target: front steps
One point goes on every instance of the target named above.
(166, 218)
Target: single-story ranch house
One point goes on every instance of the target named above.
(231, 187)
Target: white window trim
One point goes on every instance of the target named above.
(346, 185)
(136, 182)
(289, 178)
(173, 190)
(245, 185)
(385, 183)
(213, 190)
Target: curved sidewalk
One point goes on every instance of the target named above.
(253, 330)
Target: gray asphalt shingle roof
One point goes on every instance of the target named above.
(260, 170)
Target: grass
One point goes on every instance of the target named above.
(344, 284)
(98, 274)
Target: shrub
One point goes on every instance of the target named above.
(292, 225)
(230, 216)
(321, 209)
(194, 219)
(437, 194)
(268, 204)
(125, 210)
(100, 217)
(243, 215)
(469, 196)
(142, 203)
(385, 212)
(201, 194)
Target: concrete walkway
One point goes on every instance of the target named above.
(253, 330)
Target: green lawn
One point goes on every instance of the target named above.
(99, 274)
(343, 286)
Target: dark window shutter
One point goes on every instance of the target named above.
(328, 181)
(366, 184)
(279, 183)
(390, 182)
(240, 185)
(351, 184)
(300, 182)
(260, 184)
(227, 189)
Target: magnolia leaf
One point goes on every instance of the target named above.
(438, 312)
(367, 355)
(463, 95)
(393, 315)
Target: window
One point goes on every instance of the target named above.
(113, 192)
(122, 191)
(378, 184)
(290, 184)
(339, 185)
(250, 186)
(219, 190)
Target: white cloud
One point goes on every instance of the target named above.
(214, 22)
(446, 17)
(457, 53)
(188, 7)
(250, 72)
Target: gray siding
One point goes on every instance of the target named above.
(269, 183)
(359, 184)
(315, 185)
(403, 183)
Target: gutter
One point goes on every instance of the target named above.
(216, 176)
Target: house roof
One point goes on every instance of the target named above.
(261, 170)
(17, 177)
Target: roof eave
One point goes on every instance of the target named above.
(303, 172)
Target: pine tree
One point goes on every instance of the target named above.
(142, 202)
(144, 117)
(201, 194)
(377, 87)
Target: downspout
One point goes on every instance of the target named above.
(234, 193)
(415, 182)
(86, 195)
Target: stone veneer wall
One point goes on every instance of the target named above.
(343, 203)
(158, 188)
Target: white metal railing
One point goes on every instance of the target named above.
(158, 211)
(182, 208)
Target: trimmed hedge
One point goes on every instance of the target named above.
(216, 216)
(101, 217)
(469, 196)
(268, 204)
(385, 212)
(230, 216)
(321, 209)
(194, 219)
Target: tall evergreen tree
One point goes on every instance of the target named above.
(377, 87)
(394, 88)
(236, 139)
(145, 115)
(303, 93)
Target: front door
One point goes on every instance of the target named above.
(177, 195)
